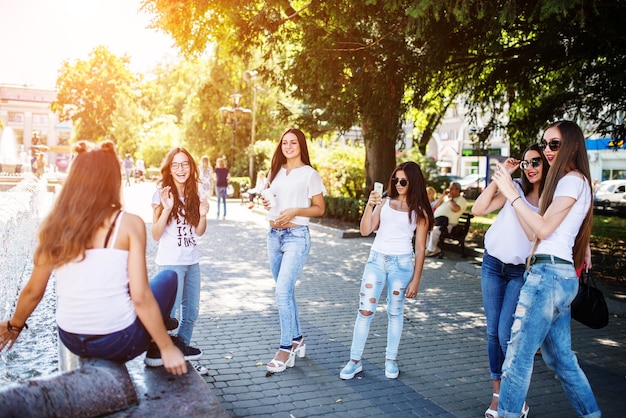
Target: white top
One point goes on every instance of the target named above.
(561, 242)
(295, 191)
(505, 239)
(395, 232)
(92, 294)
(445, 209)
(177, 246)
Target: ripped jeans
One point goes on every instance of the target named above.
(542, 319)
(397, 272)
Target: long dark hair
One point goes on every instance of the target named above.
(527, 186)
(416, 197)
(279, 159)
(571, 156)
(190, 210)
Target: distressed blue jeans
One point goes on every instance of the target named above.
(187, 304)
(288, 249)
(130, 342)
(396, 271)
(500, 284)
(542, 319)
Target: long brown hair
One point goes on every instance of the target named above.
(190, 210)
(90, 195)
(416, 197)
(527, 186)
(279, 159)
(572, 156)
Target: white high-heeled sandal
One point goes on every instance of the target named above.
(300, 348)
(492, 413)
(281, 366)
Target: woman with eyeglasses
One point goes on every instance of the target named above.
(179, 218)
(405, 213)
(542, 316)
(296, 194)
(504, 261)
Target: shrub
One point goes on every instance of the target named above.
(347, 209)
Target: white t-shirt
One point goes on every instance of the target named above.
(505, 239)
(445, 209)
(92, 294)
(561, 242)
(177, 246)
(295, 191)
(395, 232)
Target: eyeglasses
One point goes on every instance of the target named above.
(403, 182)
(184, 165)
(553, 144)
(534, 163)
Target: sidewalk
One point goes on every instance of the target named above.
(442, 358)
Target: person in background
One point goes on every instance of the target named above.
(179, 218)
(140, 170)
(222, 176)
(405, 213)
(298, 192)
(448, 209)
(504, 261)
(543, 315)
(206, 177)
(106, 308)
(261, 183)
(128, 168)
(432, 195)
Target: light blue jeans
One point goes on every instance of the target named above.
(221, 194)
(542, 319)
(396, 271)
(501, 284)
(288, 250)
(187, 303)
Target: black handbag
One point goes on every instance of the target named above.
(589, 306)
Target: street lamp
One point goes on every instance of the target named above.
(249, 76)
(233, 115)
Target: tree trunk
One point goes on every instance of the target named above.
(380, 160)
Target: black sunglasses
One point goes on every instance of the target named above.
(534, 163)
(553, 144)
(402, 182)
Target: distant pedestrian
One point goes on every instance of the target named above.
(179, 218)
(128, 168)
(206, 177)
(543, 315)
(504, 261)
(298, 192)
(404, 214)
(222, 176)
(106, 308)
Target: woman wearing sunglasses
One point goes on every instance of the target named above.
(404, 214)
(504, 261)
(542, 316)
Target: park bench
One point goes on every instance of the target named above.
(455, 236)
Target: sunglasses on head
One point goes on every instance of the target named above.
(402, 182)
(534, 163)
(554, 144)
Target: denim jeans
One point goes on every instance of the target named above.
(542, 319)
(220, 193)
(187, 298)
(288, 250)
(396, 271)
(130, 342)
(501, 284)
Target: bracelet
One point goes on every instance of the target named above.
(514, 200)
(11, 328)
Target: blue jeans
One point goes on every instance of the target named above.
(220, 192)
(288, 250)
(501, 284)
(187, 298)
(130, 342)
(542, 319)
(397, 272)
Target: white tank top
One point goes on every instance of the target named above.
(395, 232)
(92, 295)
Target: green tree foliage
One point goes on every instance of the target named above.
(87, 93)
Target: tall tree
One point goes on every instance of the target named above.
(87, 92)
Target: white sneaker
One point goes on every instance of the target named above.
(202, 371)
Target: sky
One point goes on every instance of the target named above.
(36, 36)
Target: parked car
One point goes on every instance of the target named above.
(472, 185)
(442, 182)
(610, 195)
